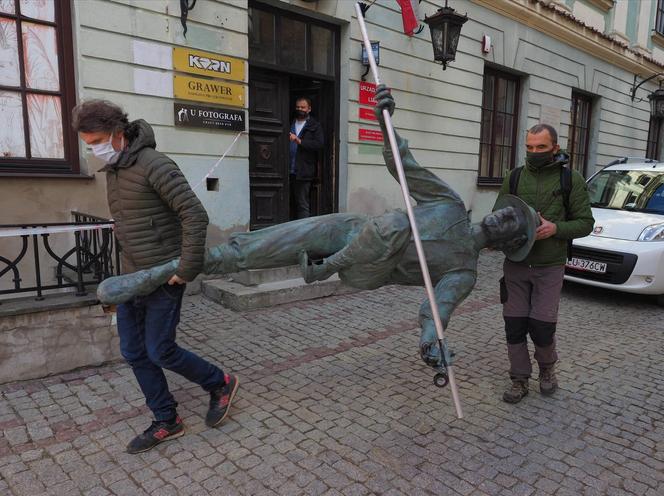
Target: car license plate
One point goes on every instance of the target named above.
(584, 264)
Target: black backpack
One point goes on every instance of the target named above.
(565, 188)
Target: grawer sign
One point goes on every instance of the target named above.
(208, 117)
(208, 90)
(208, 64)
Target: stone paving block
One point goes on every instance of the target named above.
(318, 411)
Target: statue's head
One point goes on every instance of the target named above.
(510, 228)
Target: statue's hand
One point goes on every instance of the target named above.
(384, 100)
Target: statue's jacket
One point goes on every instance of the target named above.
(446, 235)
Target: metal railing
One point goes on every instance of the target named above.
(93, 258)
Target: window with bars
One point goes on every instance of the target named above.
(654, 138)
(500, 115)
(579, 131)
(659, 20)
(36, 87)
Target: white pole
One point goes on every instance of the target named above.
(411, 216)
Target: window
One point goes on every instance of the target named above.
(659, 23)
(579, 131)
(500, 108)
(36, 88)
(654, 138)
(289, 42)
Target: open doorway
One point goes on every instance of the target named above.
(290, 56)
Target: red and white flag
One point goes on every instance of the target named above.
(410, 11)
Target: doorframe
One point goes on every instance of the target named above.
(335, 141)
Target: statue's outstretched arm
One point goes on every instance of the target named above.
(423, 184)
(451, 290)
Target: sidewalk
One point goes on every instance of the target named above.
(334, 399)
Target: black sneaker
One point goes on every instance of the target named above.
(220, 401)
(157, 433)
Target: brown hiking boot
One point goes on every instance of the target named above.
(517, 391)
(547, 380)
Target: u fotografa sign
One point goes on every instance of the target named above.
(208, 117)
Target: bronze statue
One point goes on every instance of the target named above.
(372, 251)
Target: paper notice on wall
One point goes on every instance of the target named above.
(550, 116)
(152, 54)
(153, 83)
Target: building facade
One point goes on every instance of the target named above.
(220, 97)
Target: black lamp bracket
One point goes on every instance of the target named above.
(637, 86)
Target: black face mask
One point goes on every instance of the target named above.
(301, 114)
(537, 160)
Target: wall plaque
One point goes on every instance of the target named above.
(208, 64)
(208, 90)
(208, 117)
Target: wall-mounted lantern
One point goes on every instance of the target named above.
(657, 103)
(656, 97)
(445, 26)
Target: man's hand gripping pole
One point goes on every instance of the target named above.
(444, 373)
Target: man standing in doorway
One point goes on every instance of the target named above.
(157, 218)
(306, 140)
(530, 289)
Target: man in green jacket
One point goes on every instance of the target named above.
(530, 289)
(157, 218)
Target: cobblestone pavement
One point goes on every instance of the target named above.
(334, 400)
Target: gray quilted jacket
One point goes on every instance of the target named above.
(157, 215)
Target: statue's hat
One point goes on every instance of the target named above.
(531, 223)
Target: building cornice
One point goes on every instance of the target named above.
(604, 5)
(563, 26)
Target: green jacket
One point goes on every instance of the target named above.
(157, 215)
(541, 190)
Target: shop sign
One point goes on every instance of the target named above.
(370, 135)
(208, 64)
(367, 113)
(208, 117)
(367, 93)
(208, 90)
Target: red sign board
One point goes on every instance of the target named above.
(367, 93)
(370, 135)
(367, 113)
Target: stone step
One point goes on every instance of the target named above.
(254, 277)
(236, 296)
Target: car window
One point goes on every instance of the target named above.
(641, 191)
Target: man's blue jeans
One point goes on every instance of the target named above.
(146, 325)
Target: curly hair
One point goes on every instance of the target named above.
(99, 115)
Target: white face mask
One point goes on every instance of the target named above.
(105, 151)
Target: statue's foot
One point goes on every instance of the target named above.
(430, 354)
(313, 272)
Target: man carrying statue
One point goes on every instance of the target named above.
(372, 251)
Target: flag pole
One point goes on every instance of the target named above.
(411, 216)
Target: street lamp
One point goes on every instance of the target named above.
(445, 26)
(656, 97)
(657, 103)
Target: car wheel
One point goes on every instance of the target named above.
(660, 300)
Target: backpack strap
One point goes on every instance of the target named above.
(514, 180)
(566, 189)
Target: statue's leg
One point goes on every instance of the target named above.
(281, 245)
(450, 291)
(380, 239)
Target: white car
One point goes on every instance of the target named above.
(625, 251)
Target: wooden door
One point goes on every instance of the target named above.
(268, 148)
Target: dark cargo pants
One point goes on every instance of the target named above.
(530, 298)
